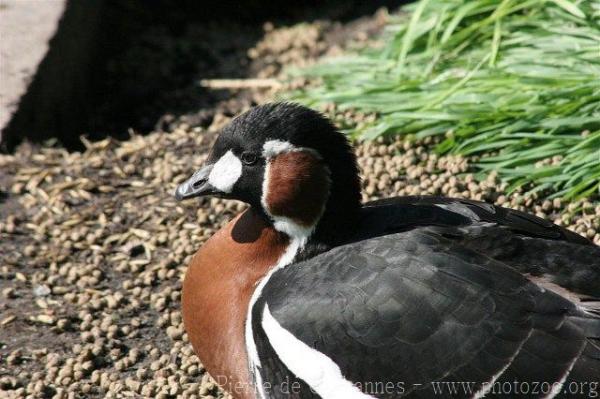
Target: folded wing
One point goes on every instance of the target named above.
(413, 309)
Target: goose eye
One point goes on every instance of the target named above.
(249, 158)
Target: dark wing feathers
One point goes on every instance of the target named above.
(439, 289)
(418, 307)
(568, 265)
(410, 211)
(525, 242)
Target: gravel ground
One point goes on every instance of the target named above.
(93, 246)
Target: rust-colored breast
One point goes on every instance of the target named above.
(216, 292)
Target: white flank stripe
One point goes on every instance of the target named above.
(226, 172)
(316, 369)
(253, 358)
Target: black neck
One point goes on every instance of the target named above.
(338, 224)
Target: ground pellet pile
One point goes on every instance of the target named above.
(93, 249)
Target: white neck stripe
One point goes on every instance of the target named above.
(272, 148)
(298, 235)
(281, 223)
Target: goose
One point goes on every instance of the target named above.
(310, 293)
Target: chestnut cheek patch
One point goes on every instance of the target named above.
(297, 187)
(226, 172)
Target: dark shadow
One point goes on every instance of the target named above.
(115, 65)
(248, 228)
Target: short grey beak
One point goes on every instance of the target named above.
(197, 185)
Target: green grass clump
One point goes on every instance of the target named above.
(516, 82)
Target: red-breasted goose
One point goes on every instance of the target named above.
(310, 293)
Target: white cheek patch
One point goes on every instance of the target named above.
(226, 172)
